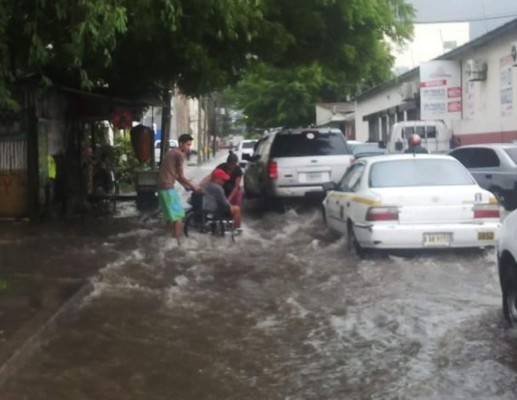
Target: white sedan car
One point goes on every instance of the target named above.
(507, 260)
(411, 201)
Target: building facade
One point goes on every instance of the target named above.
(488, 112)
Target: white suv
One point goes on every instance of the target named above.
(507, 260)
(296, 163)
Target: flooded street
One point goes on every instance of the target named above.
(284, 313)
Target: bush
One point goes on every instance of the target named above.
(126, 164)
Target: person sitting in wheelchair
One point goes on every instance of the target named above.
(214, 198)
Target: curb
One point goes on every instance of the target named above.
(42, 335)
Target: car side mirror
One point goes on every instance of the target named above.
(399, 146)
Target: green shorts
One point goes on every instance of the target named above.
(170, 204)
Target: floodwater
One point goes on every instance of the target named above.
(284, 313)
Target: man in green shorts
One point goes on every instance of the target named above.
(171, 170)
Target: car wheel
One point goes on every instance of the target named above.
(353, 245)
(266, 201)
(509, 289)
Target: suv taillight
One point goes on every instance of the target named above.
(273, 170)
(382, 214)
(487, 211)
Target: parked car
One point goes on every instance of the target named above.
(494, 166)
(295, 163)
(245, 147)
(411, 201)
(360, 150)
(172, 144)
(507, 261)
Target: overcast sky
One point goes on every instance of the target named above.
(485, 13)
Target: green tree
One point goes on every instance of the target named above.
(281, 96)
(136, 46)
(327, 50)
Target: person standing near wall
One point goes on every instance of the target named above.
(172, 170)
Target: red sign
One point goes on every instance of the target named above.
(440, 82)
(454, 106)
(453, 92)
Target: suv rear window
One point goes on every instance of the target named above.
(310, 143)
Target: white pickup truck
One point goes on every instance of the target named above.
(436, 136)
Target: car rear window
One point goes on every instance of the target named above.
(310, 143)
(418, 172)
(370, 148)
(512, 153)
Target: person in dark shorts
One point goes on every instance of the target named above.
(172, 170)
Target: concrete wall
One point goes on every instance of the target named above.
(484, 119)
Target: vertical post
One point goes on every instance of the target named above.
(166, 120)
(200, 146)
(32, 157)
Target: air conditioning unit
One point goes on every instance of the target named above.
(407, 91)
(476, 70)
(513, 53)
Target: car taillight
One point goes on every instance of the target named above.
(273, 170)
(487, 211)
(382, 214)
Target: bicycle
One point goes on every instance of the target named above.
(202, 221)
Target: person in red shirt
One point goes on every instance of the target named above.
(232, 186)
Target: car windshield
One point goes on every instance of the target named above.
(418, 172)
(512, 152)
(311, 143)
(248, 145)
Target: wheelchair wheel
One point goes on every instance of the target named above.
(191, 223)
(200, 222)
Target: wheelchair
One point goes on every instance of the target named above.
(203, 221)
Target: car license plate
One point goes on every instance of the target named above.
(313, 176)
(486, 236)
(437, 239)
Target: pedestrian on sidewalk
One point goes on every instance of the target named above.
(172, 170)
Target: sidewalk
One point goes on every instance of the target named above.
(41, 272)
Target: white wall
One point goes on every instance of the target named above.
(482, 111)
(481, 102)
(383, 100)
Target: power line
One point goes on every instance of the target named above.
(478, 19)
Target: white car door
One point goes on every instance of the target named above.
(340, 200)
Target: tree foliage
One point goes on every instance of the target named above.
(330, 49)
(135, 46)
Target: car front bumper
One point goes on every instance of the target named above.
(405, 236)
